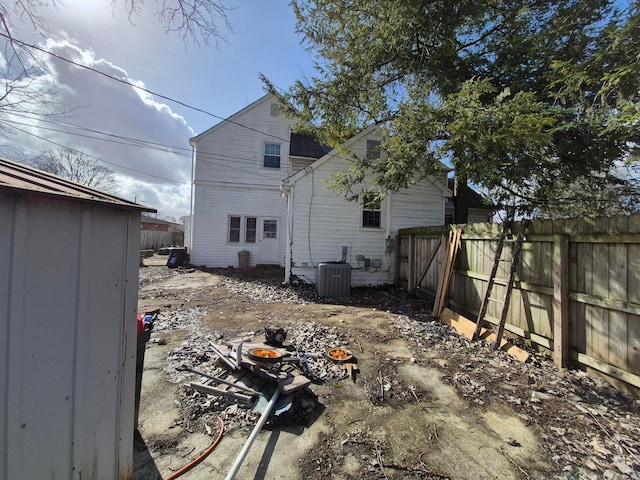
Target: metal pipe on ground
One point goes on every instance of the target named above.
(245, 449)
(232, 358)
(222, 356)
(219, 380)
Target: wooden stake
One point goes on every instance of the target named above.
(217, 391)
(515, 263)
(492, 277)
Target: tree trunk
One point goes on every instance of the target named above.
(460, 199)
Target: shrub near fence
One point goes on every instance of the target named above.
(576, 294)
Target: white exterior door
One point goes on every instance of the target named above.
(269, 248)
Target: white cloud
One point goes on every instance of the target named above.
(160, 175)
(221, 80)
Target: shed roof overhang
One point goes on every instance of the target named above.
(20, 179)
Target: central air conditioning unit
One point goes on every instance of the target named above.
(333, 279)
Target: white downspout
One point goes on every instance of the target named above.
(387, 228)
(288, 191)
(387, 214)
(193, 186)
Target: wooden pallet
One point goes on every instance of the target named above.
(287, 379)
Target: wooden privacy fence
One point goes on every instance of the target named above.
(576, 294)
(153, 240)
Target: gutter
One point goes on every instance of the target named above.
(287, 191)
(193, 186)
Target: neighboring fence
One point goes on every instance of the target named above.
(576, 296)
(153, 240)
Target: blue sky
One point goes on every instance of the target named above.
(218, 79)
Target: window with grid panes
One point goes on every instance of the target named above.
(251, 224)
(271, 155)
(270, 229)
(234, 229)
(371, 212)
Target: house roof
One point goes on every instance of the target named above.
(233, 119)
(325, 158)
(305, 145)
(334, 154)
(158, 221)
(19, 178)
(475, 199)
(149, 219)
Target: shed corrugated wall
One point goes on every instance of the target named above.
(68, 300)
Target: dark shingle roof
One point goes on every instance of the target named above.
(475, 199)
(304, 145)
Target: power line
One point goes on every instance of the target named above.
(208, 158)
(120, 80)
(135, 141)
(143, 143)
(93, 156)
(130, 142)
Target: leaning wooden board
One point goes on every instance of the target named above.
(451, 252)
(466, 327)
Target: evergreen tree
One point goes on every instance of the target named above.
(533, 100)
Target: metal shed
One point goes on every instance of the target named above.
(68, 305)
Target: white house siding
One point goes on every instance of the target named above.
(68, 300)
(323, 221)
(230, 180)
(217, 203)
(421, 205)
(298, 164)
(187, 230)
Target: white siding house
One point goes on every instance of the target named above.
(239, 164)
(68, 302)
(259, 187)
(321, 223)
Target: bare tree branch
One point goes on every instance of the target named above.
(77, 167)
(196, 21)
(25, 83)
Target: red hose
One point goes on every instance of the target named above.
(192, 464)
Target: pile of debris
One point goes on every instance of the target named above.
(384, 297)
(238, 381)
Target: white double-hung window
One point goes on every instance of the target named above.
(271, 155)
(371, 212)
(239, 229)
(234, 229)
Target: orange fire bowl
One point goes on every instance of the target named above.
(339, 354)
(265, 355)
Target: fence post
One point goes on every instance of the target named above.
(560, 298)
(411, 265)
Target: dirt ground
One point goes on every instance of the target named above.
(425, 402)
